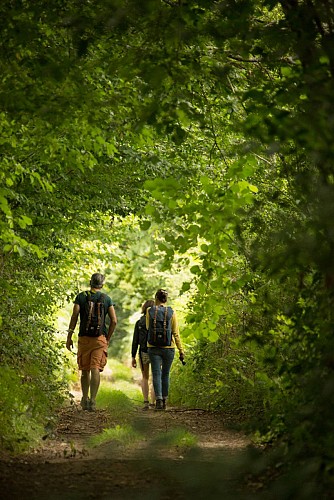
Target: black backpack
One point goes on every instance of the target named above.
(94, 315)
(160, 326)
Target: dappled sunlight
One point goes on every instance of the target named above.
(178, 145)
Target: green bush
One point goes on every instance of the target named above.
(23, 411)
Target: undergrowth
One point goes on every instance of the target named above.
(126, 435)
(26, 409)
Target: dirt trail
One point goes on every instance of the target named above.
(66, 467)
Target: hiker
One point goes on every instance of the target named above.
(93, 339)
(163, 336)
(140, 339)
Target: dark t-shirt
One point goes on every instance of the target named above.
(81, 300)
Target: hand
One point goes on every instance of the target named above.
(181, 356)
(69, 344)
(134, 363)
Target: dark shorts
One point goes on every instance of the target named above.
(92, 352)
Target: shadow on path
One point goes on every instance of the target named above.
(152, 467)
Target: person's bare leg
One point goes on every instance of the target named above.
(85, 382)
(144, 381)
(94, 384)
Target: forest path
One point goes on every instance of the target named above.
(158, 465)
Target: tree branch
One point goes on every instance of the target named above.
(241, 59)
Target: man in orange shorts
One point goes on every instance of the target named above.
(92, 306)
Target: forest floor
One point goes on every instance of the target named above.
(174, 454)
(159, 465)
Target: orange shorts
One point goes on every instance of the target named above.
(92, 352)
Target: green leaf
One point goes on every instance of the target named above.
(253, 188)
(286, 71)
(145, 225)
(195, 270)
(213, 336)
(4, 205)
(185, 287)
(150, 210)
(24, 221)
(172, 204)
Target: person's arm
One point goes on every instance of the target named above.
(147, 319)
(73, 324)
(113, 322)
(176, 335)
(135, 342)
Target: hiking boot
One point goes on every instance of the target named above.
(146, 405)
(84, 403)
(164, 404)
(92, 406)
(159, 404)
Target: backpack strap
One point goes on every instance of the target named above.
(90, 310)
(165, 324)
(100, 304)
(155, 323)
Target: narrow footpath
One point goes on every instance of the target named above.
(169, 455)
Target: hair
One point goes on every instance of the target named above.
(161, 295)
(97, 280)
(146, 305)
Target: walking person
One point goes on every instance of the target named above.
(92, 306)
(140, 339)
(163, 337)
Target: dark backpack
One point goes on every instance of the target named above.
(142, 333)
(94, 315)
(160, 326)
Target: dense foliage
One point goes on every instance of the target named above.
(211, 121)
